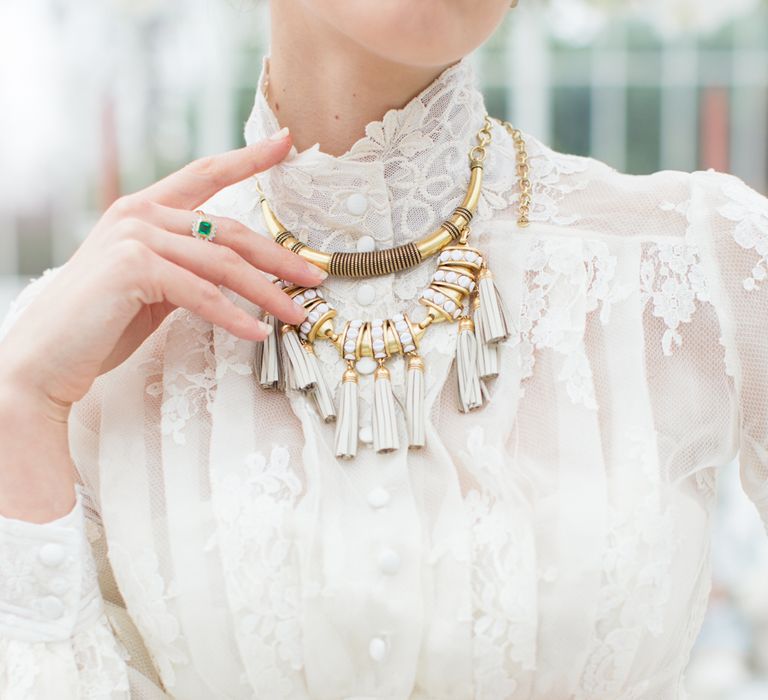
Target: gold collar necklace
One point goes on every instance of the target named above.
(462, 290)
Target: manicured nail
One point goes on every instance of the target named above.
(317, 272)
(264, 327)
(304, 310)
(279, 135)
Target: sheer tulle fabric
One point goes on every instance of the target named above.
(553, 544)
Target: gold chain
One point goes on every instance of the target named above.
(523, 173)
(478, 153)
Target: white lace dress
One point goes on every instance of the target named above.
(554, 544)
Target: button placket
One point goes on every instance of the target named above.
(377, 649)
(51, 555)
(59, 585)
(365, 244)
(52, 607)
(378, 497)
(357, 204)
(389, 561)
(366, 294)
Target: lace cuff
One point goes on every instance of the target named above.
(48, 582)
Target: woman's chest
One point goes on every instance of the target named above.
(534, 548)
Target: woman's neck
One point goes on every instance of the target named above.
(325, 88)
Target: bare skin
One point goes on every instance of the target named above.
(335, 65)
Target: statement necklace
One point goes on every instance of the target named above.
(461, 291)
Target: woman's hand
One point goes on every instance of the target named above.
(139, 263)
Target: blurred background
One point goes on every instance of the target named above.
(101, 97)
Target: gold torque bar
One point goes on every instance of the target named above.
(382, 262)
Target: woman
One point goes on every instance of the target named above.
(211, 542)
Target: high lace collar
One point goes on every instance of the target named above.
(395, 184)
(451, 108)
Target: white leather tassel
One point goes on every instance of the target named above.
(470, 387)
(487, 353)
(384, 419)
(267, 360)
(346, 425)
(321, 392)
(301, 375)
(495, 325)
(414, 402)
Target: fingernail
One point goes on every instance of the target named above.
(264, 327)
(279, 135)
(304, 310)
(317, 272)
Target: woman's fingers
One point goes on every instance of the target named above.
(258, 250)
(198, 181)
(221, 265)
(164, 281)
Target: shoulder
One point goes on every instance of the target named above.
(578, 191)
(731, 218)
(729, 196)
(585, 192)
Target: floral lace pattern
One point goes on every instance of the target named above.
(552, 175)
(503, 579)
(747, 209)
(640, 548)
(590, 269)
(101, 661)
(671, 275)
(253, 506)
(98, 669)
(188, 383)
(147, 597)
(20, 667)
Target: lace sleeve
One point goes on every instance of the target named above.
(64, 630)
(55, 640)
(734, 223)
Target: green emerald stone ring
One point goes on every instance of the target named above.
(202, 228)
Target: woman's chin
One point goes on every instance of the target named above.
(423, 33)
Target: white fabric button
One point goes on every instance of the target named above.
(378, 497)
(366, 434)
(58, 585)
(377, 649)
(51, 554)
(366, 244)
(366, 365)
(389, 561)
(357, 204)
(52, 607)
(366, 293)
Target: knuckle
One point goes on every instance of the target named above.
(127, 205)
(208, 294)
(229, 260)
(121, 207)
(141, 206)
(207, 167)
(128, 227)
(133, 253)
